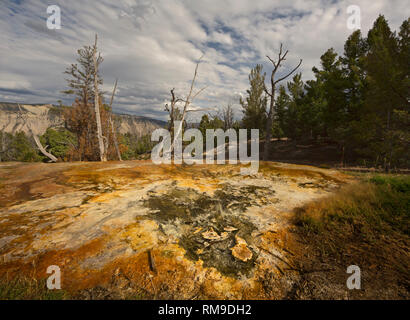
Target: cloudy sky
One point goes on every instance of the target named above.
(153, 45)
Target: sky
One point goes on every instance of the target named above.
(152, 46)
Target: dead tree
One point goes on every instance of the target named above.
(271, 94)
(114, 134)
(35, 137)
(172, 109)
(227, 116)
(187, 102)
(103, 155)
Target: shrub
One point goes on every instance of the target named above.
(59, 142)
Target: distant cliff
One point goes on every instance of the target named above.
(41, 117)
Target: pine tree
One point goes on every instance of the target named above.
(355, 51)
(386, 94)
(81, 119)
(313, 108)
(293, 114)
(254, 105)
(281, 107)
(402, 115)
(81, 76)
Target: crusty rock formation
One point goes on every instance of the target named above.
(41, 117)
(211, 232)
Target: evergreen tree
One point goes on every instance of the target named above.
(254, 105)
(387, 91)
(60, 142)
(81, 80)
(293, 114)
(331, 78)
(281, 106)
(204, 124)
(81, 119)
(314, 106)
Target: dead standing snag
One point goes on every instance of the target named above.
(188, 101)
(111, 124)
(271, 94)
(103, 155)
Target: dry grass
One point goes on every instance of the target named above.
(24, 288)
(367, 224)
(380, 204)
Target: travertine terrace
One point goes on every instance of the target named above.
(210, 232)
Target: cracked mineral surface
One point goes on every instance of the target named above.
(212, 233)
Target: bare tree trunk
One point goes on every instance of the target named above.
(269, 125)
(42, 149)
(188, 101)
(36, 139)
(171, 111)
(271, 94)
(103, 156)
(114, 134)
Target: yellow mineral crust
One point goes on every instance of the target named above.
(241, 250)
(211, 232)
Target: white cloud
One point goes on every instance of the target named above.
(152, 46)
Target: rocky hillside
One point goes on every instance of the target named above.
(41, 117)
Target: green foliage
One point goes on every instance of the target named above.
(397, 183)
(254, 105)
(359, 100)
(144, 145)
(293, 116)
(210, 122)
(126, 146)
(23, 149)
(379, 205)
(81, 75)
(59, 142)
(132, 146)
(281, 107)
(22, 288)
(18, 147)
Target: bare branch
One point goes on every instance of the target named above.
(271, 60)
(36, 139)
(283, 78)
(199, 110)
(114, 134)
(187, 103)
(43, 150)
(266, 90)
(284, 56)
(113, 93)
(198, 93)
(271, 94)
